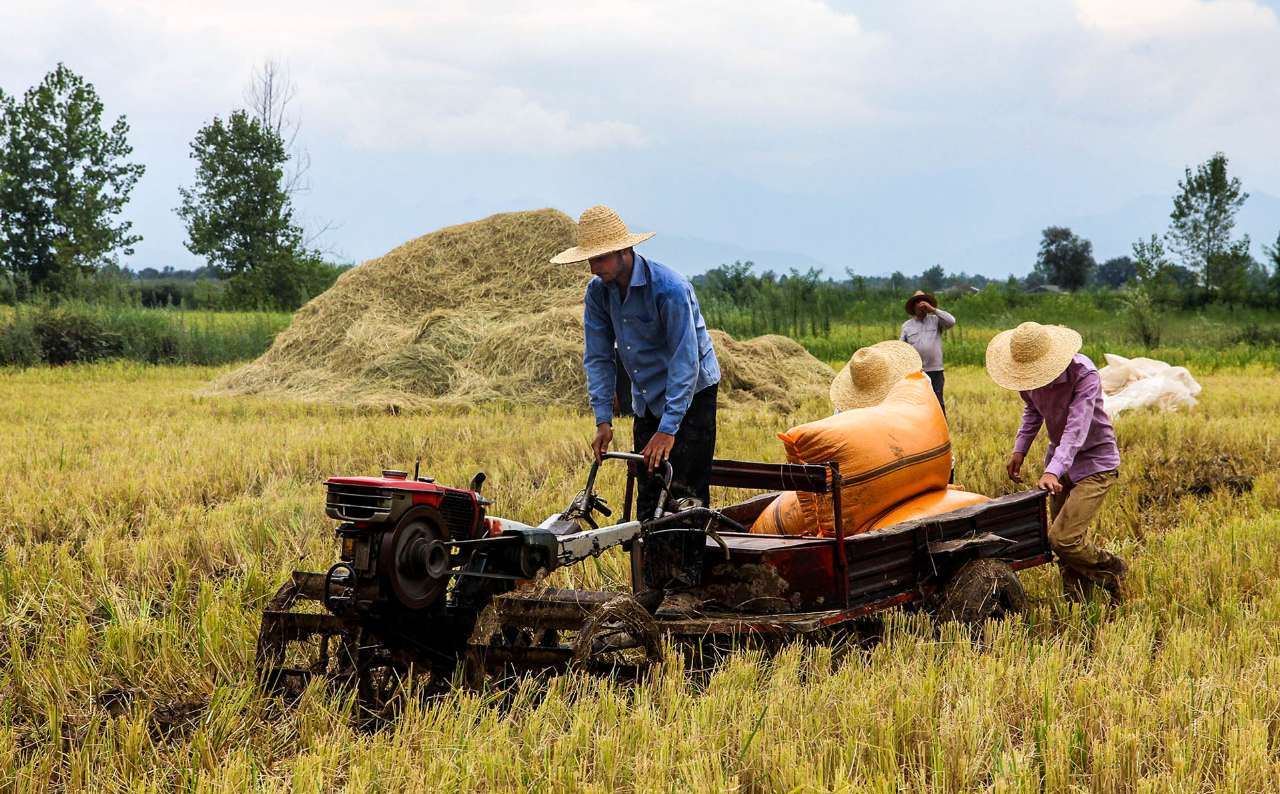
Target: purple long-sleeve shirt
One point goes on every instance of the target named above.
(1081, 439)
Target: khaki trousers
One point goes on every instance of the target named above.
(1071, 536)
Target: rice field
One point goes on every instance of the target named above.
(142, 528)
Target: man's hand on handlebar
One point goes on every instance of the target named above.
(604, 437)
(658, 450)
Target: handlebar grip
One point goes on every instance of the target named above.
(667, 473)
(635, 457)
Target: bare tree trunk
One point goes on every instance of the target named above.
(270, 93)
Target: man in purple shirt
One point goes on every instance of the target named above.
(1061, 389)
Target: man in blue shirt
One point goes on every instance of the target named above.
(649, 314)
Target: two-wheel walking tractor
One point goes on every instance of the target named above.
(429, 586)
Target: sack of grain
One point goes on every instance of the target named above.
(782, 517)
(888, 453)
(1132, 383)
(930, 503)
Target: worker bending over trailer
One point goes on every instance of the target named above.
(650, 313)
(1061, 390)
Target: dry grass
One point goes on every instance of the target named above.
(472, 313)
(142, 528)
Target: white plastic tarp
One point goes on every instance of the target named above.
(1129, 383)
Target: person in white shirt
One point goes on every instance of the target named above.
(924, 332)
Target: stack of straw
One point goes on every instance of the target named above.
(476, 312)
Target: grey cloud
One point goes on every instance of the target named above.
(877, 135)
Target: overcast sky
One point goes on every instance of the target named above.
(871, 135)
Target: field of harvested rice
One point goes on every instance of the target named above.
(142, 527)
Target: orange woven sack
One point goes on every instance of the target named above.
(782, 517)
(927, 504)
(887, 453)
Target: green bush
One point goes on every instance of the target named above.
(112, 287)
(1144, 317)
(12, 289)
(1257, 335)
(19, 346)
(77, 332)
(69, 336)
(284, 284)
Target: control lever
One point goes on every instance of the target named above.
(710, 532)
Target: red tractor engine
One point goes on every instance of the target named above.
(419, 564)
(397, 538)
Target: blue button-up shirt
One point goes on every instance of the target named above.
(661, 338)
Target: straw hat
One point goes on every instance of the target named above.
(870, 374)
(600, 231)
(920, 295)
(1031, 355)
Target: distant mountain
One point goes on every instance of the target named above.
(1112, 233)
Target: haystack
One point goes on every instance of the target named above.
(476, 312)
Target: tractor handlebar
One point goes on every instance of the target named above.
(666, 473)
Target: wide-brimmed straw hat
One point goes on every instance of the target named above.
(871, 372)
(920, 295)
(600, 231)
(1031, 355)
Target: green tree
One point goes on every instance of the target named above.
(239, 215)
(800, 289)
(857, 284)
(933, 279)
(1149, 259)
(1155, 274)
(734, 281)
(1065, 259)
(64, 180)
(1115, 272)
(1228, 272)
(1203, 217)
(1155, 287)
(1273, 253)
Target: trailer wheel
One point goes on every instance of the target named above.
(980, 590)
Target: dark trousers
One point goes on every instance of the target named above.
(691, 456)
(938, 379)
